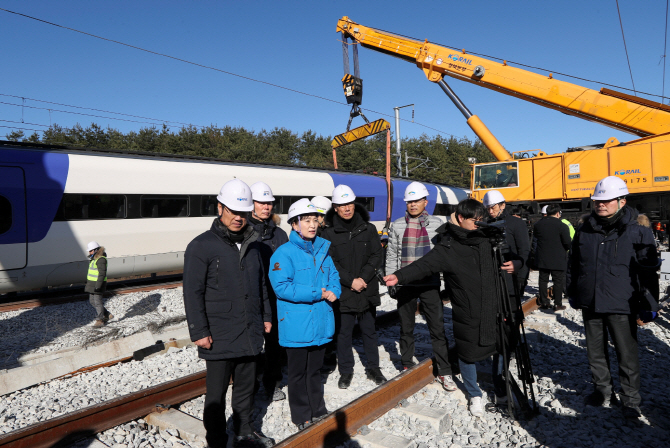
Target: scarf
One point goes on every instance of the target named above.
(489, 308)
(415, 241)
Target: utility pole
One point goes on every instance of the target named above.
(397, 139)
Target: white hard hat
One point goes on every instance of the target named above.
(414, 191)
(93, 245)
(301, 207)
(544, 210)
(342, 194)
(493, 197)
(322, 204)
(261, 192)
(611, 187)
(236, 195)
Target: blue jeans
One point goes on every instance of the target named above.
(469, 375)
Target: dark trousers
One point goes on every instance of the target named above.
(345, 354)
(434, 313)
(96, 301)
(622, 330)
(305, 390)
(272, 363)
(219, 372)
(559, 283)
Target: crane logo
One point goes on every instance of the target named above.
(624, 172)
(458, 58)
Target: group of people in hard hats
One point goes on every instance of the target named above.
(250, 288)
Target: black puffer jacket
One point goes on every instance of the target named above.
(272, 237)
(224, 293)
(551, 242)
(612, 269)
(516, 234)
(460, 265)
(356, 254)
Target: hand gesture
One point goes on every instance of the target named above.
(205, 342)
(358, 285)
(391, 280)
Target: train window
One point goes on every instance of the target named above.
(91, 206)
(164, 206)
(5, 215)
(444, 209)
(283, 203)
(368, 203)
(208, 206)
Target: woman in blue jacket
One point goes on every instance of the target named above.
(306, 282)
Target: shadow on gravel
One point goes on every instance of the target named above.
(40, 326)
(566, 422)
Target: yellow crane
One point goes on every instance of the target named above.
(530, 178)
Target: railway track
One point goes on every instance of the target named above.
(34, 300)
(339, 426)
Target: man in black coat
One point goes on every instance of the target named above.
(551, 242)
(465, 257)
(265, 223)
(612, 278)
(516, 232)
(357, 253)
(227, 310)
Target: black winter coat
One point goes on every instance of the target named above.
(224, 293)
(551, 242)
(614, 270)
(516, 234)
(356, 254)
(272, 237)
(460, 266)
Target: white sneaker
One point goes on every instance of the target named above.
(476, 407)
(447, 382)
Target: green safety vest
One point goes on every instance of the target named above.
(572, 229)
(93, 273)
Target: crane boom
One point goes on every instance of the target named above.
(618, 110)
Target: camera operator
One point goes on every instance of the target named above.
(516, 232)
(465, 257)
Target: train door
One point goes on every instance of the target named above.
(13, 222)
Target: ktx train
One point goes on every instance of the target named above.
(144, 208)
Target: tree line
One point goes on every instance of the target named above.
(433, 159)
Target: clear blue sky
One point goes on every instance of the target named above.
(294, 44)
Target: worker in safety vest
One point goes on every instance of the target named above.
(96, 282)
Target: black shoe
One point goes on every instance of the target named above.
(376, 375)
(253, 440)
(559, 307)
(304, 425)
(631, 412)
(597, 399)
(345, 380)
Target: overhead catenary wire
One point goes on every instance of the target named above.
(209, 68)
(625, 47)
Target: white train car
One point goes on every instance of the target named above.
(143, 208)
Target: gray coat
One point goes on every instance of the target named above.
(394, 248)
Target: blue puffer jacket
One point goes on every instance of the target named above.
(614, 271)
(298, 271)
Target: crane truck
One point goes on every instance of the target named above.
(534, 178)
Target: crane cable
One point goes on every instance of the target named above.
(665, 46)
(625, 48)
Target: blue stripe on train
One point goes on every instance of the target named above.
(46, 174)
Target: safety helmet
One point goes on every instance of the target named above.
(342, 194)
(322, 204)
(301, 207)
(493, 197)
(93, 245)
(609, 188)
(544, 210)
(261, 192)
(414, 191)
(236, 195)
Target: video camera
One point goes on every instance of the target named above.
(496, 231)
